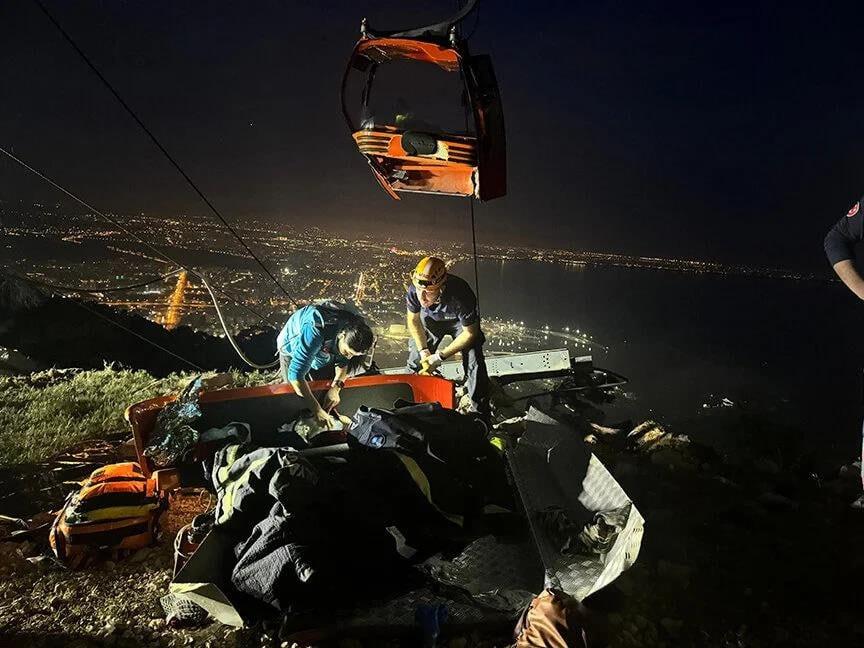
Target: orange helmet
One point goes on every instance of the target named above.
(429, 273)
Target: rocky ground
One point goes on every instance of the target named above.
(110, 603)
(116, 602)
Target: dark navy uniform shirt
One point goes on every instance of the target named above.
(849, 230)
(457, 303)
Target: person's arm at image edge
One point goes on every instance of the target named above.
(840, 248)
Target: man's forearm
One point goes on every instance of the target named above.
(464, 340)
(341, 374)
(302, 389)
(850, 276)
(415, 329)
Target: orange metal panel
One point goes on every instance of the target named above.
(455, 176)
(382, 49)
(142, 416)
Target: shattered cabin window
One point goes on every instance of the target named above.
(410, 95)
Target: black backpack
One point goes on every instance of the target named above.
(424, 429)
(451, 449)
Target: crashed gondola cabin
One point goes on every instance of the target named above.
(426, 113)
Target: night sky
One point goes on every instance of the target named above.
(731, 132)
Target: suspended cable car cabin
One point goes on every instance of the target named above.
(425, 113)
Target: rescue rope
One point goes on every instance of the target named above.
(164, 151)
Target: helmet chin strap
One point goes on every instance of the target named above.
(425, 299)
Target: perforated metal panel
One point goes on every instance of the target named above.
(510, 364)
(553, 470)
(516, 363)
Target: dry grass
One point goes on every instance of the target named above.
(42, 414)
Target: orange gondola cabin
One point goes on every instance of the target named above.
(425, 113)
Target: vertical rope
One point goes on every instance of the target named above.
(474, 246)
(466, 101)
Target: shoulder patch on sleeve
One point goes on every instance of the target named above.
(854, 210)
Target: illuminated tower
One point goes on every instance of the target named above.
(361, 289)
(175, 304)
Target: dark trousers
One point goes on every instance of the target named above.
(473, 362)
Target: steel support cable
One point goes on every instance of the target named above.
(471, 210)
(467, 98)
(216, 305)
(117, 223)
(121, 326)
(164, 151)
(230, 337)
(91, 291)
(474, 246)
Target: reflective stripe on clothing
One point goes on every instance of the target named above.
(422, 482)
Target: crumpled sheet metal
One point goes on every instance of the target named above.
(552, 469)
(173, 433)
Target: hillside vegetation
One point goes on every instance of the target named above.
(43, 413)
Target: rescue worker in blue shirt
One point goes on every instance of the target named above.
(440, 304)
(840, 250)
(313, 338)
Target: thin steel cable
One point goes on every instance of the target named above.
(467, 100)
(138, 335)
(467, 96)
(474, 245)
(228, 334)
(91, 291)
(213, 299)
(147, 244)
(120, 326)
(230, 337)
(164, 151)
(216, 305)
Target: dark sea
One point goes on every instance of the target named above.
(785, 353)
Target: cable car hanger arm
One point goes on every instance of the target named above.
(441, 30)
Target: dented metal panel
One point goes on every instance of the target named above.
(554, 472)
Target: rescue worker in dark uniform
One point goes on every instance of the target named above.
(840, 250)
(441, 304)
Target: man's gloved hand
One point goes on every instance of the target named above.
(431, 363)
(425, 353)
